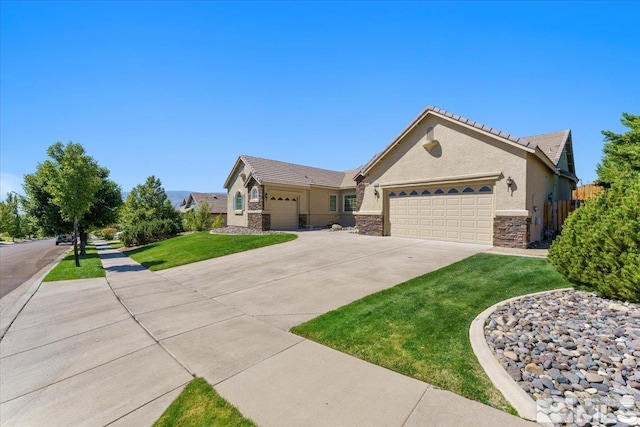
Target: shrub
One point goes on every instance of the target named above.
(599, 249)
(144, 232)
(218, 222)
(108, 233)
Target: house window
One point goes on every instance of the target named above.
(238, 202)
(333, 203)
(255, 194)
(350, 203)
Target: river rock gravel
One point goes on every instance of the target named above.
(576, 354)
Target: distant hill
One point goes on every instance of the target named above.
(176, 197)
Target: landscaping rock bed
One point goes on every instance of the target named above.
(577, 355)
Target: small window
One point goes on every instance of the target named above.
(255, 194)
(453, 191)
(485, 189)
(238, 202)
(426, 193)
(468, 190)
(439, 191)
(333, 203)
(272, 198)
(392, 194)
(350, 203)
(402, 193)
(413, 193)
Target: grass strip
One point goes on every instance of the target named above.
(195, 247)
(200, 406)
(420, 328)
(90, 267)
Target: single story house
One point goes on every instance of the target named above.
(443, 177)
(217, 204)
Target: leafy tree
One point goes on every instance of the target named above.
(48, 216)
(198, 219)
(73, 183)
(147, 214)
(621, 160)
(10, 218)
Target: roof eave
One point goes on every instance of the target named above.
(451, 118)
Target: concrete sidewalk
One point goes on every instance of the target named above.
(88, 361)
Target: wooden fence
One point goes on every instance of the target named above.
(556, 212)
(586, 192)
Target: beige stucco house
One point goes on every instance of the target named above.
(217, 203)
(443, 177)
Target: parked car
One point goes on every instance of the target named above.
(64, 238)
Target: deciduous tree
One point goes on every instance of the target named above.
(74, 181)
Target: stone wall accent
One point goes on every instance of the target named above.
(361, 184)
(511, 231)
(371, 225)
(259, 221)
(259, 204)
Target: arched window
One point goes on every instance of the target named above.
(238, 202)
(255, 194)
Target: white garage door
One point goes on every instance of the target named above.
(284, 212)
(459, 214)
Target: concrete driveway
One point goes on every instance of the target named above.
(287, 284)
(225, 320)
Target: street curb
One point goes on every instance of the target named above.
(21, 295)
(517, 397)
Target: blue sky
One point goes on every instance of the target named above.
(180, 89)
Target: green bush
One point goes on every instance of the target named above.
(218, 222)
(599, 249)
(108, 233)
(144, 232)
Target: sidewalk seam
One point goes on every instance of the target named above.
(416, 405)
(76, 374)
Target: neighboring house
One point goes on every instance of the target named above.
(443, 177)
(217, 204)
(272, 195)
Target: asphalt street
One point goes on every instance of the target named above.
(20, 261)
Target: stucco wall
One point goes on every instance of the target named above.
(461, 152)
(540, 183)
(233, 217)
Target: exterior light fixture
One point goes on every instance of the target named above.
(509, 182)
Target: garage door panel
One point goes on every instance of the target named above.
(284, 214)
(465, 216)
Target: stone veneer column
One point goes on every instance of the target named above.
(511, 231)
(259, 221)
(371, 225)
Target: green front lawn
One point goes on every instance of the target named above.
(420, 328)
(200, 406)
(200, 246)
(90, 267)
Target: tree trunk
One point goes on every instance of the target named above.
(83, 241)
(75, 241)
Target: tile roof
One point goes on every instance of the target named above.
(551, 144)
(277, 172)
(217, 202)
